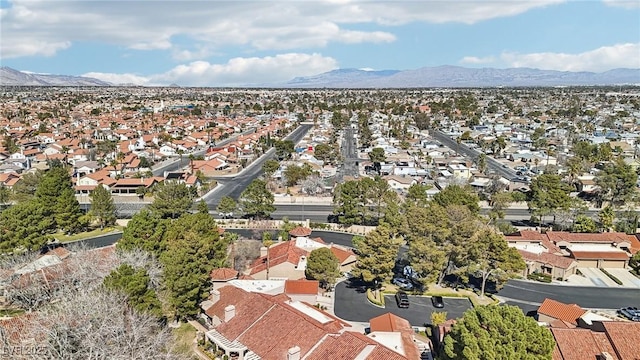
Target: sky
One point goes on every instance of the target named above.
(234, 43)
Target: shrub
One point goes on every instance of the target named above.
(322, 226)
(615, 279)
(545, 278)
(371, 296)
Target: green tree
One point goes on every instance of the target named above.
(607, 217)
(490, 257)
(378, 253)
(171, 199)
(102, 206)
(617, 182)
(5, 195)
(193, 248)
(203, 208)
(497, 332)
(227, 205)
(145, 231)
(284, 149)
(584, 224)
(438, 318)
(499, 202)
(294, 174)
(25, 188)
(377, 156)
(270, 167)
(349, 203)
(24, 227)
(256, 200)
(324, 152)
(68, 212)
(482, 162)
(549, 193)
(458, 195)
(324, 266)
(134, 284)
(417, 194)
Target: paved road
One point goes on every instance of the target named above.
(234, 186)
(531, 293)
(463, 149)
(177, 164)
(351, 304)
(350, 153)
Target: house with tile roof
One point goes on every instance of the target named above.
(607, 340)
(560, 314)
(247, 325)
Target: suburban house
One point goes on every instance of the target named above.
(580, 334)
(560, 253)
(288, 259)
(247, 325)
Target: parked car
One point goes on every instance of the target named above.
(402, 299)
(631, 313)
(403, 284)
(437, 302)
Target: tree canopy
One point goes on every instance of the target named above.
(377, 255)
(324, 266)
(171, 199)
(256, 200)
(458, 195)
(497, 332)
(102, 206)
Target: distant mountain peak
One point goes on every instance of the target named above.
(13, 77)
(458, 76)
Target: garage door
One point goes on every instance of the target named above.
(588, 263)
(617, 264)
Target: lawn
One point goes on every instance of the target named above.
(86, 234)
(184, 340)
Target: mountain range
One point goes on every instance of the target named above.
(440, 76)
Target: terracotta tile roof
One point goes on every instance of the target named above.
(299, 287)
(345, 346)
(389, 322)
(300, 231)
(554, 260)
(625, 338)
(342, 254)
(557, 310)
(223, 274)
(249, 308)
(278, 254)
(579, 344)
(597, 255)
(15, 329)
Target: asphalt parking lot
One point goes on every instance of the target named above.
(351, 304)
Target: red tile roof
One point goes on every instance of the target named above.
(597, 255)
(223, 274)
(300, 231)
(557, 310)
(579, 344)
(299, 287)
(625, 338)
(389, 322)
(342, 255)
(558, 261)
(278, 254)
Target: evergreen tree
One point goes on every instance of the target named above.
(102, 206)
(497, 332)
(323, 266)
(607, 218)
(458, 195)
(349, 203)
(203, 208)
(24, 227)
(171, 199)
(68, 212)
(145, 231)
(134, 283)
(256, 200)
(194, 248)
(377, 255)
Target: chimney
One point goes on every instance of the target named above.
(229, 313)
(293, 353)
(605, 356)
(263, 251)
(215, 296)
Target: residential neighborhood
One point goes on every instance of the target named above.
(321, 224)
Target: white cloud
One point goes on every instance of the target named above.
(236, 72)
(477, 60)
(600, 59)
(627, 4)
(252, 25)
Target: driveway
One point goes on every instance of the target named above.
(351, 304)
(597, 277)
(627, 278)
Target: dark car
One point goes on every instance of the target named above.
(437, 302)
(402, 299)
